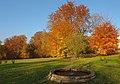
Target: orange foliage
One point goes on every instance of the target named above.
(66, 21)
(14, 46)
(58, 37)
(104, 39)
(40, 42)
(77, 16)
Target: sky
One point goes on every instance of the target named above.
(18, 17)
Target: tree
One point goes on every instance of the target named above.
(96, 20)
(46, 44)
(36, 42)
(2, 52)
(24, 52)
(40, 44)
(104, 39)
(68, 20)
(58, 37)
(77, 44)
(77, 16)
(14, 45)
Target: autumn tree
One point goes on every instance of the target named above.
(67, 18)
(104, 39)
(46, 48)
(77, 16)
(2, 52)
(31, 49)
(39, 44)
(95, 20)
(58, 38)
(36, 42)
(24, 51)
(14, 46)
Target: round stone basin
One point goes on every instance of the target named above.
(71, 75)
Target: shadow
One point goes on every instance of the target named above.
(87, 65)
(31, 75)
(22, 64)
(37, 72)
(102, 78)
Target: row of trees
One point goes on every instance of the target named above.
(72, 30)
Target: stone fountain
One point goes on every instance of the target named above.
(72, 75)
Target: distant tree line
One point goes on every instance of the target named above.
(72, 31)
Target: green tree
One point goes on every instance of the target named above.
(77, 44)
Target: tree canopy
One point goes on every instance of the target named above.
(104, 38)
(71, 29)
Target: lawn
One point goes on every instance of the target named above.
(35, 71)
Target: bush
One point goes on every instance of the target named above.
(5, 61)
(13, 61)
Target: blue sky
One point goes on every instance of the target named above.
(29, 16)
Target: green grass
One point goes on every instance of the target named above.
(35, 71)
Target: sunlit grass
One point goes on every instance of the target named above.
(35, 71)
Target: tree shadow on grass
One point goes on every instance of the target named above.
(29, 72)
(22, 64)
(103, 73)
(102, 78)
(37, 72)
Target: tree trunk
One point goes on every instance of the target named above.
(0, 61)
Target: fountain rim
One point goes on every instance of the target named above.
(91, 73)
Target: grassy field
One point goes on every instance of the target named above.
(35, 71)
